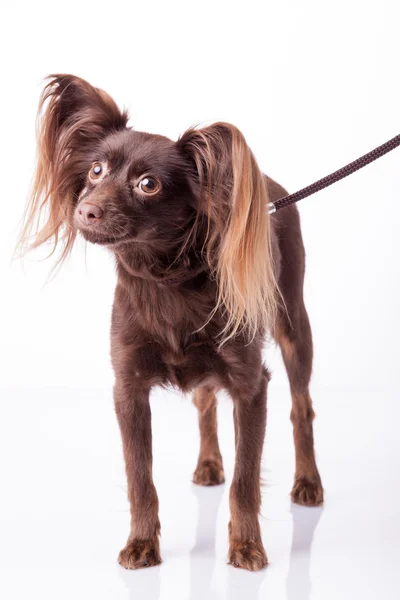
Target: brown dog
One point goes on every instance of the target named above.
(203, 273)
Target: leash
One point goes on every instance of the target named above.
(321, 184)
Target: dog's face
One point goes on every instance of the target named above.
(202, 197)
(137, 190)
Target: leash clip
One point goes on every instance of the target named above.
(271, 208)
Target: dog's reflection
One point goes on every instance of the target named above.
(143, 583)
(305, 521)
(243, 585)
(203, 560)
(203, 554)
(240, 585)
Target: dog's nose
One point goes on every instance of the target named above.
(89, 213)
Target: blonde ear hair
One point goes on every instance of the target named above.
(238, 242)
(72, 117)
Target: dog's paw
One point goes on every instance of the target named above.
(138, 554)
(247, 555)
(209, 472)
(308, 492)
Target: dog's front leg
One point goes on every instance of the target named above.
(246, 549)
(134, 417)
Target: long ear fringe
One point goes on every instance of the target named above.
(43, 218)
(238, 246)
(72, 114)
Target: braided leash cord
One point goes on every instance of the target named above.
(336, 176)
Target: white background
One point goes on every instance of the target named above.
(312, 85)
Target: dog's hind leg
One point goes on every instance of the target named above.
(293, 334)
(295, 340)
(209, 470)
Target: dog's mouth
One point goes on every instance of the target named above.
(104, 239)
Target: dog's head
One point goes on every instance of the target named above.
(118, 186)
(136, 190)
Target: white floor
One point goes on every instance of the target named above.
(64, 514)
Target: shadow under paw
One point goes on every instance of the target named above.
(209, 472)
(307, 492)
(139, 554)
(247, 555)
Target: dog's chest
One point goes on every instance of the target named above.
(168, 339)
(191, 366)
(185, 367)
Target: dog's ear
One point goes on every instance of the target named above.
(73, 117)
(232, 193)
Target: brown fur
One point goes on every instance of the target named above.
(203, 272)
(209, 470)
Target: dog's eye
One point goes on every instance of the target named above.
(96, 171)
(149, 185)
